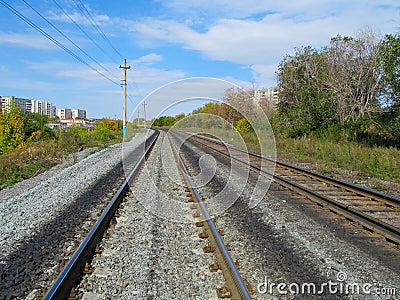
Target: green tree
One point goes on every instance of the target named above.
(179, 117)
(390, 58)
(164, 121)
(37, 123)
(11, 130)
(304, 100)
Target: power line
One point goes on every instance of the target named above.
(59, 31)
(30, 23)
(85, 33)
(89, 16)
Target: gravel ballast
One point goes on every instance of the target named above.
(41, 226)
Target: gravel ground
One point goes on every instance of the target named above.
(285, 240)
(42, 225)
(150, 257)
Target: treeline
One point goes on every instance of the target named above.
(18, 131)
(350, 87)
(167, 121)
(228, 115)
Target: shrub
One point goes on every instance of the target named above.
(11, 130)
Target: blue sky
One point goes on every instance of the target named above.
(165, 41)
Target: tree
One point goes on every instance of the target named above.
(11, 130)
(354, 76)
(36, 124)
(304, 100)
(179, 117)
(390, 58)
(164, 121)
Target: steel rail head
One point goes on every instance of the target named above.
(72, 271)
(389, 231)
(353, 186)
(238, 281)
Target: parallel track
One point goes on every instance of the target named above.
(72, 273)
(375, 211)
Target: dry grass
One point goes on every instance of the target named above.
(27, 162)
(379, 162)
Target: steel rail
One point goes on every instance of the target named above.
(72, 272)
(391, 232)
(241, 289)
(334, 181)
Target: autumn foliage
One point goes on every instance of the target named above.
(11, 130)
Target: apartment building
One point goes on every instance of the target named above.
(64, 113)
(269, 94)
(78, 114)
(43, 108)
(28, 105)
(24, 105)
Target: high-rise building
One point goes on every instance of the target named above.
(6, 102)
(23, 104)
(37, 107)
(27, 106)
(47, 109)
(270, 94)
(64, 113)
(78, 114)
(53, 111)
(43, 108)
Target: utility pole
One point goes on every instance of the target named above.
(138, 115)
(124, 113)
(144, 113)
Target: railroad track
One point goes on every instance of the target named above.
(374, 211)
(63, 287)
(235, 287)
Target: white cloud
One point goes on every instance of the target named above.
(264, 74)
(261, 42)
(78, 17)
(140, 72)
(155, 76)
(33, 41)
(148, 59)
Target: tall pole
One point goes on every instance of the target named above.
(144, 113)
(124, 113)
(138, 115)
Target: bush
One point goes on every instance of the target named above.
(73, 138)
(243, 126)
(104, 133)
(11, 130)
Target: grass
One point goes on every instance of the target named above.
(333, 153)
(379, 162)
(27, 162)
(37, 157)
